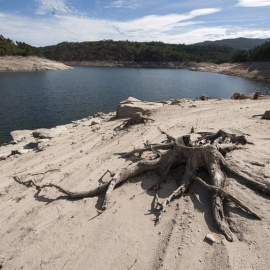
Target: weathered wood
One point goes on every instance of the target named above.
(136, 119)
(204, 153)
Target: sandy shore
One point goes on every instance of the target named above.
(39, 231)
(256, 70)
(29, 63)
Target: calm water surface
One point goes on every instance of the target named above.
(30, 100)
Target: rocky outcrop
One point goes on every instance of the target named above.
(44, 133)
(128, 107)
(238, 96)
(20, 135)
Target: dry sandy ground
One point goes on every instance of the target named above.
(29, 63)
(39, 231)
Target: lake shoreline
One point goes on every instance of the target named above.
(250, 70)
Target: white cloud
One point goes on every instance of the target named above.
(160, 23)
(253, 3)
(173, 28)
(125, 4)
(53, 6)
(54, 29)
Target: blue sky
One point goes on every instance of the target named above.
(47, 22)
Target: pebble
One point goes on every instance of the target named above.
(210, 238)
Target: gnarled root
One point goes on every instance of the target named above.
(204, 153)
(107, 187)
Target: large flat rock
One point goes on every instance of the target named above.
(20, 135)
(132, 105)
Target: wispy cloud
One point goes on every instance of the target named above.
(125, 4)
(54, 6)
(161, 23)
(253, 3)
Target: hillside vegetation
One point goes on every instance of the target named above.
(259, 53)
(127, 51)
(108, 50)
(236, 43)
(8, 47)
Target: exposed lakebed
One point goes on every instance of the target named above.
(30, 100)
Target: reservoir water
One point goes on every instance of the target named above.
(30, 100)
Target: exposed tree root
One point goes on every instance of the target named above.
(208, 152)
(137, 118)
(226, 195)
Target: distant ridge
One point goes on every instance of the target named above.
(236, 43)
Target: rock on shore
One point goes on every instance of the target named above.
(29, 63)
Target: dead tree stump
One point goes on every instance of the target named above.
(208, 152)
(136, 119)
(265, 116)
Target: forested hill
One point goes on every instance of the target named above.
(108, 50)
(8, 47)
(236, 43)
(259, 53)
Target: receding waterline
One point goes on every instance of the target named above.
(30, 100)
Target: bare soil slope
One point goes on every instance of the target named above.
(29, 63)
